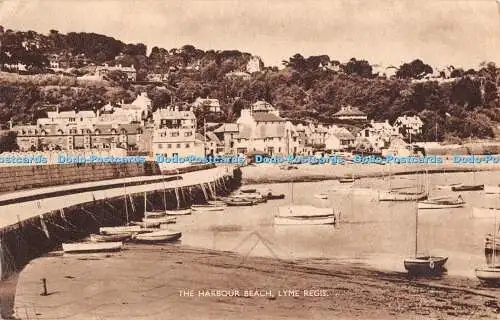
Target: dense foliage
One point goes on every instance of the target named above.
(464, 105)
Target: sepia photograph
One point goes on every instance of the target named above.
(239, 159)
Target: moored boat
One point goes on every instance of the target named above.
(208, 207)
(448, 186)
(248, 190)
(488, 274)
(442, 203)
(346, 180)
(158, 237)
(278, 220)
(119, 230)
(179, 212)
(154, 214)
(91, 247)
(472, 187)
(239, 202)
(322, 196)
(402, 196)
(160, 220)
(146, 224)
(276, 196)
(425, 264)
(110, 237)
(304, 211)
(492, 189)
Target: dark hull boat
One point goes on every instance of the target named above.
(276, 196)
(489, 274)
(425, 265)
(474, 187)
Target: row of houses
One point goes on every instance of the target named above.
(173, 131)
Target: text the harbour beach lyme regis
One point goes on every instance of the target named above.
(254, 292)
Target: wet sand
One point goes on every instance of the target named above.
(271, 173)
(145, 282)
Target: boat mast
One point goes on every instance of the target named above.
(416, 228)
(125, 200)
(164, 197)
(144, 202)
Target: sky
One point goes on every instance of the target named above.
(388, 32)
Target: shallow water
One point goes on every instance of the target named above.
(380, 234)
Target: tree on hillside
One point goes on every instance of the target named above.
(358, 67)
(416, 69)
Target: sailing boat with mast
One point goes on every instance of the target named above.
(471, 187)
(304, 215)
(491, 273)
(398, 195)
(423, 264)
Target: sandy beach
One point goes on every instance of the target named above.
(171, 281)
(268, 173)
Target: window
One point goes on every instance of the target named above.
(187, 145)
(178, 146)
(160, 146)
(169, 146)
(188, 133)
(175, 133)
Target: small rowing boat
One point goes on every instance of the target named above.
(158, 237)
(488, 274)
(442, 203)
(346, 180)
(207, 207)
(160, 220)
(91, 247)
(110, 237)
(239, 202)
(304, 220)
(276, 196)
(473, 187)
(402, 196)
(425, 264)
(448, 186)
(248, 190)
(180, 212)
(304, 211)
(322, 196)
(154, 214)
(119, 230)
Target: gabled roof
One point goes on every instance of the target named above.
(227, 127)
(212, 137)
(266, 117)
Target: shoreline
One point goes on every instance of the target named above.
(267, 173)
(151, 282)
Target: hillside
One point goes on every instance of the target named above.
(463, 103)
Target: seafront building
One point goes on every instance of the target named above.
(174, 133)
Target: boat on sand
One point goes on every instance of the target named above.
(110, 237)
(442, 203)
(158, 237)
(91, 247)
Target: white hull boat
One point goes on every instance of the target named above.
(449, 186)
(154, 214)
(322, 196)
(119, 230)
(159, 220)
(206, 208)
(180, 212)
(304, 211)
(91, 247)
(488, 274)
(110, 237)
(442, 203)
(401, 196)
(304, 220)
(492, 189)
(158, 237)
(485, 213)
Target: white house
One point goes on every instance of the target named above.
(254, 65)
(174, 133)
(377, 134)
(212, 105)
(350, 113)
(408, 126)
(339, 139)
